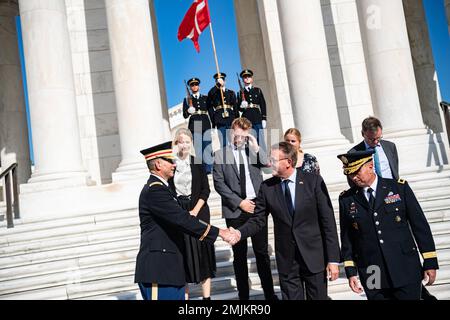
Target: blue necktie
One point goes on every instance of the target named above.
(377, 162)
(288, 198)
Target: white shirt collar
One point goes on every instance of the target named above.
(373, 185)
(369, 147)
(162, 179)
(292, 177)
(248, 87)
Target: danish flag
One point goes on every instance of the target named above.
(194, 22)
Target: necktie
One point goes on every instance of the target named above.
(242, 174)
(376, 159)
(371, 198)
(288, 198)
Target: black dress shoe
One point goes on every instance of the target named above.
(273, 298)
(209, 298)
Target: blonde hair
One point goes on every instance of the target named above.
(242, 123)
(186, 132)
(295, 132)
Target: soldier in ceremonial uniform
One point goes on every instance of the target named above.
(196, 109)
(252, 104)
(381, 222)
(160, 270)
(224, 113)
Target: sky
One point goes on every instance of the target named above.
(180, 59)
(182, 62)
(440, 43)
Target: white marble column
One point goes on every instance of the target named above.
(136, 83)
(51, 92)
(391, 72)
(13, 122)
(309, 73)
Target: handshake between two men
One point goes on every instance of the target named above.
(230, 235)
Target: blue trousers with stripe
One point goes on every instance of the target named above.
(154, 291)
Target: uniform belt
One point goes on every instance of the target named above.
(256, 106)
(227, 106)
(199, 112)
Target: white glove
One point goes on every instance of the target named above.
(220, 81)
(264, 124)
(244, 104)
(191, 110)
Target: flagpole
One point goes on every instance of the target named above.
(217, 62)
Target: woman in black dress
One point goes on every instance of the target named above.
(191, 185)
(305, 161)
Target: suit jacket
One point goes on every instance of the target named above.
(163, 221)
(383, 237)
(391, 153)
(200, 120)
(199, 188)
(312, 229)
(227, 182)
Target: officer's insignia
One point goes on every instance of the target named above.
(398, 219)
(301, 182)
(392, 198)
(355, 226)
(401, 181)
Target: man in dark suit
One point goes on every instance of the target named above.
(160, 270)
(195, 108)
(222, 112)
(306, 241)
(385, 156)
(378, 218)
(237, 178)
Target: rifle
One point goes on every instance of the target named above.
(241, 88)
(188, 95)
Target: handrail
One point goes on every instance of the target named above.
(11, 205)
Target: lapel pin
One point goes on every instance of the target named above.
(398, 219)
(301, 182)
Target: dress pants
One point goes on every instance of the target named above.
(408, 292)
(300, 282)
(260, 248)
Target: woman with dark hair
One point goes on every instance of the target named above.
(191, 185)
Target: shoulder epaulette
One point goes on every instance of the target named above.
(155, 184)
(342, 193)
(401, 181)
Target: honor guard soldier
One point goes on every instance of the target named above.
(252, 104)
(224, 112)
(195, 108)
(381, 222)
(160, 270)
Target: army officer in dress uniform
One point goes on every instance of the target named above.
(160, 271)
(196, 109)
(224, 113)
(252, 104)
(380, 219)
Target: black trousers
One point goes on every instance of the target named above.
(408, 292)
(260, 248)
(300, 283)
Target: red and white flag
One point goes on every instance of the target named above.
(194, 22)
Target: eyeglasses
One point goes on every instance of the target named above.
(273, 160)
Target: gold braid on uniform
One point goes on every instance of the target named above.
(205, 233)
(349, 263)
(429, 255)
(354, 166)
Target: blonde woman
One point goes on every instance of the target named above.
(305, 161)
(192, 188)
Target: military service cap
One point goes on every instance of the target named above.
(222, 75)
(193, 81)
(163, 150)
(246, 72)
(353, 161)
